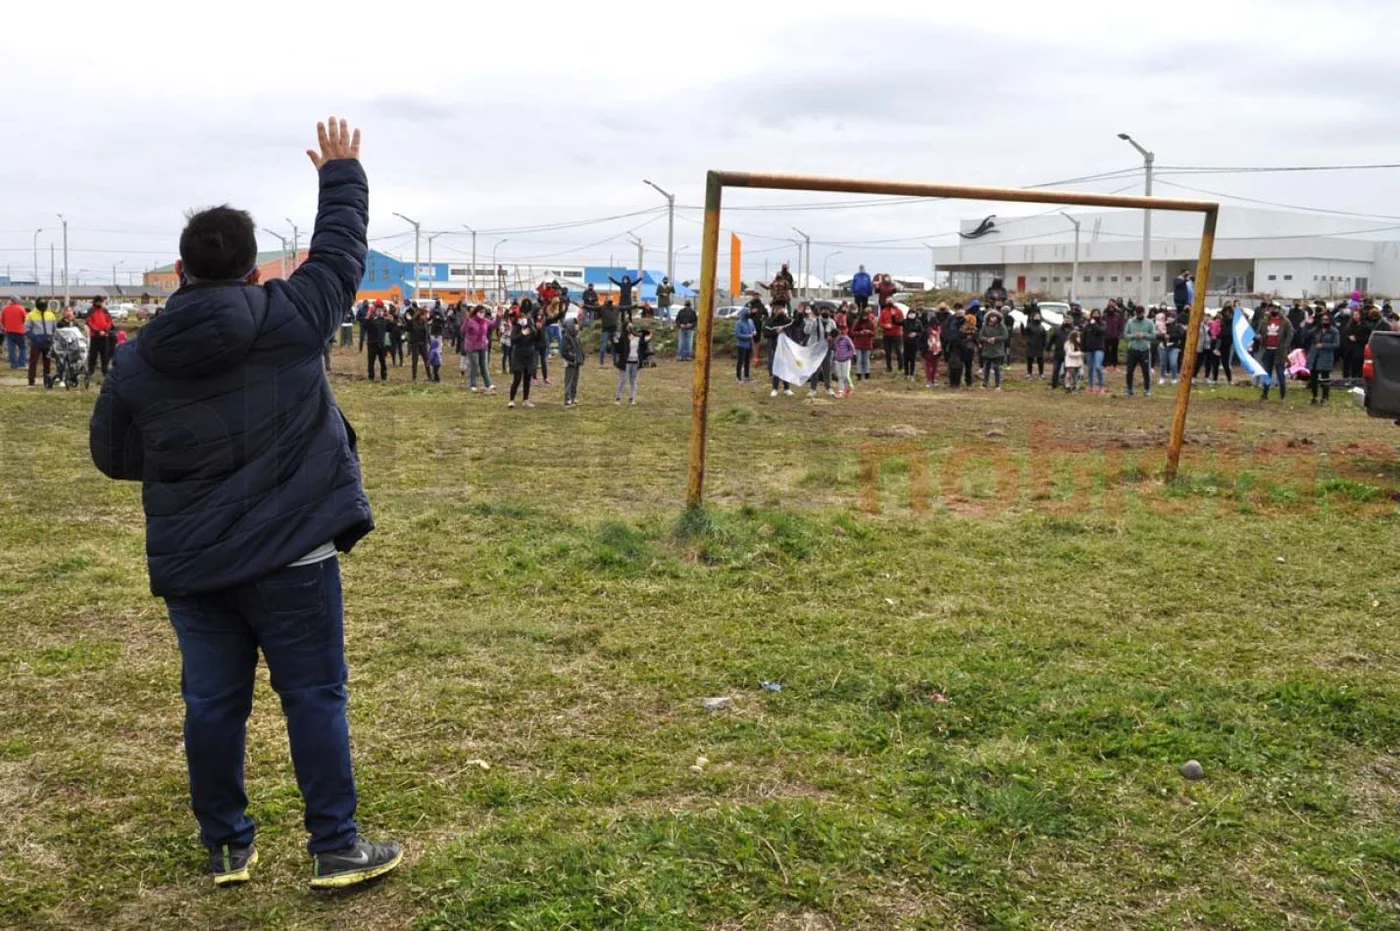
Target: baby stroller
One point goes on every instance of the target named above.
(70, 349)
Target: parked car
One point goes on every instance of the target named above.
(1381, 375)
(731, 312)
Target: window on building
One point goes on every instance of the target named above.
(1156, 278)
(1128, 278)
(1273, 277)
(457, 272)
(1113, 278)
(1042, 279)
(1057, 279)
(1287, 277)
(384, 274)
(1088, 278)
(1314, 277)
(1101, 277)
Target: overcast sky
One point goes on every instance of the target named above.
(529, 113)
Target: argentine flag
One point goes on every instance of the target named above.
(1244, 337)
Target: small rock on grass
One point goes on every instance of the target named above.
(1192, 770)
(717, 704)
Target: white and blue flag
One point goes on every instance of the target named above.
(1244, 338)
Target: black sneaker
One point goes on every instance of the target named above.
(337, 869)
(231, 864)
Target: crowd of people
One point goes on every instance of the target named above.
(1307, 341)
(526, 335)
(968, 344)
(32, 336)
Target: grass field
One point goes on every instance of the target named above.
(998, 636)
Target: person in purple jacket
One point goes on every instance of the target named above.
(476, 340)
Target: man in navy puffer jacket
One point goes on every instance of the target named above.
(251, 485)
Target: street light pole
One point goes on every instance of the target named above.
(932, 265)
(432, 273)
(36, 256)
(417, 231)
(472, 276)
(670, 229)
(283, 240)
(496, 271)
(296, 245)
(824, 261)
(66, 296)
(1147, 159)
(641, 259)
(808, 262)
(1074, 273)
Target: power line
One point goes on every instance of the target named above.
(1246, 169)
(1271, 203)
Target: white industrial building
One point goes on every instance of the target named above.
(1284, 254)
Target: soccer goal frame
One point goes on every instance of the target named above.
(717, 181)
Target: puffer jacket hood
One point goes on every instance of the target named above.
(205, 329)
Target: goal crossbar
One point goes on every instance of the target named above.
(717, 181)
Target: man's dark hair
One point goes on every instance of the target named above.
(219, 244)
(41, 305)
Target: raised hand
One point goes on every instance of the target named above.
(336, 142)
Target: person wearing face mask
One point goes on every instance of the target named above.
(1275, 337)
(1092, 344)
(1322, 356)
(1140, 333)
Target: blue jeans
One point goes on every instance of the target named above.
(1095, 360)
(16, 348)
(294, 616)
(553, 336)
(1168, 362)
(605, 342)
(479, 362)
(862, 361)
(685, 346)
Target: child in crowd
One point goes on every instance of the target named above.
(434, 358)
(933, 348)
(843, 352)
(1074, 362)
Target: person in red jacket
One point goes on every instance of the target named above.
(12, 323)
(885, 289)
(100, 332)
(892, 331)
(863, 335)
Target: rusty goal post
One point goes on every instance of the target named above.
(717, 181)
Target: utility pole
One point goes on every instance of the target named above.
(1074, 273)
(432, 273)
(473, 274)
(417, 232)
(670, 229)
(65, 261)
(36, 256)
(808, 262)
(51, 278)
(932, 265)
(1147, 159)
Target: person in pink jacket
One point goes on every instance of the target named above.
(476, 339)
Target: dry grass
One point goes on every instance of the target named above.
(535, 598)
